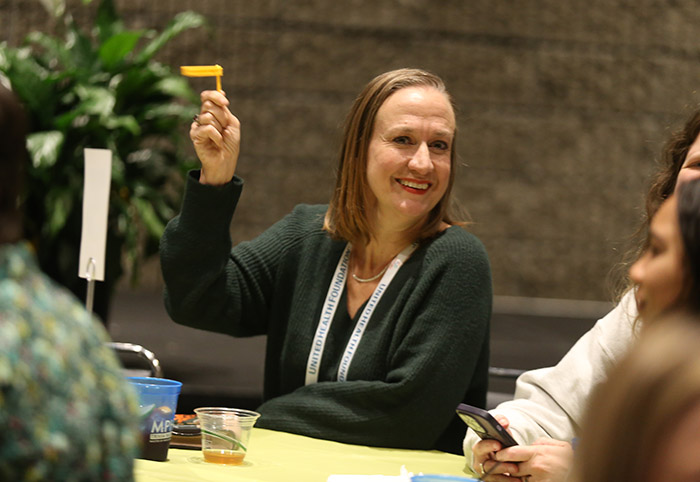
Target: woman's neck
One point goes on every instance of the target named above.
(373, 256)
(370, 259)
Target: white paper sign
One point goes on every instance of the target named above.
(93, 238)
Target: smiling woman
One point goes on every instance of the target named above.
(409, 158)
(377, 306)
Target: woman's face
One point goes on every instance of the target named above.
(408, 161)
(659, 274)
(691, 166)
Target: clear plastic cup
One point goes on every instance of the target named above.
(225, 433)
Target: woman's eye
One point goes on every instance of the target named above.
(654, 250)
(694, 164)
(402, 140)
(442, 145)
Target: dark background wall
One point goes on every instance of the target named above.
(563, 109)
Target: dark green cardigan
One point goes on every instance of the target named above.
(424, 350)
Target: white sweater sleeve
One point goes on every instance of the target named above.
(549, 402)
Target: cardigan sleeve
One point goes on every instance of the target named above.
(438, 353)
(549, 402)
(208, 285)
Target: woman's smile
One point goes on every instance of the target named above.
(414, 186)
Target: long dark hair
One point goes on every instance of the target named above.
(689, 222)
(663, 184)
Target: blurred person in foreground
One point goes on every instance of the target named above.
(352, 355)
(643, 424)
(549, 403)
(66, 410)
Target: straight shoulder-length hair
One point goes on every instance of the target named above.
(348, 215)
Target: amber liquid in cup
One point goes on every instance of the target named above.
(225, 457)
(225, 433)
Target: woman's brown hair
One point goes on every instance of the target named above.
(663, 184)
(347, 217)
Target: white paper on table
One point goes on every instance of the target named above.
(404, 477)
(367, 478)
(93, 237)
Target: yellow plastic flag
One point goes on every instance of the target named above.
(204, 71)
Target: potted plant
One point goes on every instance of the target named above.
(100, 88)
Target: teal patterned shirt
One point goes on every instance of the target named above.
(66, 410)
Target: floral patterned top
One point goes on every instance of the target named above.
(66, 410)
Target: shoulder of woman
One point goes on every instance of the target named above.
(304, 221)
(459, 257)
(308, 215)
(455, 242)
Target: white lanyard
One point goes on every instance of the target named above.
(331, 304)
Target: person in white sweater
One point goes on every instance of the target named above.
(642, 424)
(545, 414)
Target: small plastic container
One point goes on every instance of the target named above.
(186, 436)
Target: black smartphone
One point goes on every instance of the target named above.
(483, 423)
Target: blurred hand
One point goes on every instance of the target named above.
(483, 453)
(216, 135)
(546, 460)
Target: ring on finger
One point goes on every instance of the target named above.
(195, 119)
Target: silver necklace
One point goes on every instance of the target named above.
(367, 280)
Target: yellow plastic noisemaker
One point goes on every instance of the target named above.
(204, 71)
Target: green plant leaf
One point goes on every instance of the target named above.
(32, 83)
(59, 203)
(149, 217)
(183, 21)
(177, 86)
(165, 111)
(84, 58)
(44, 148)
(54, 49)
(107, 21)
(126, 122)
(117, 47)
(95, 100)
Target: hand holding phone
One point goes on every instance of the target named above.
(485, 426)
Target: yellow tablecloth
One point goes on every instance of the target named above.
(280, 456)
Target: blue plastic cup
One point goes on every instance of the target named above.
(157, 403)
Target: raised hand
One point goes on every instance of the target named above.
(216, 135)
